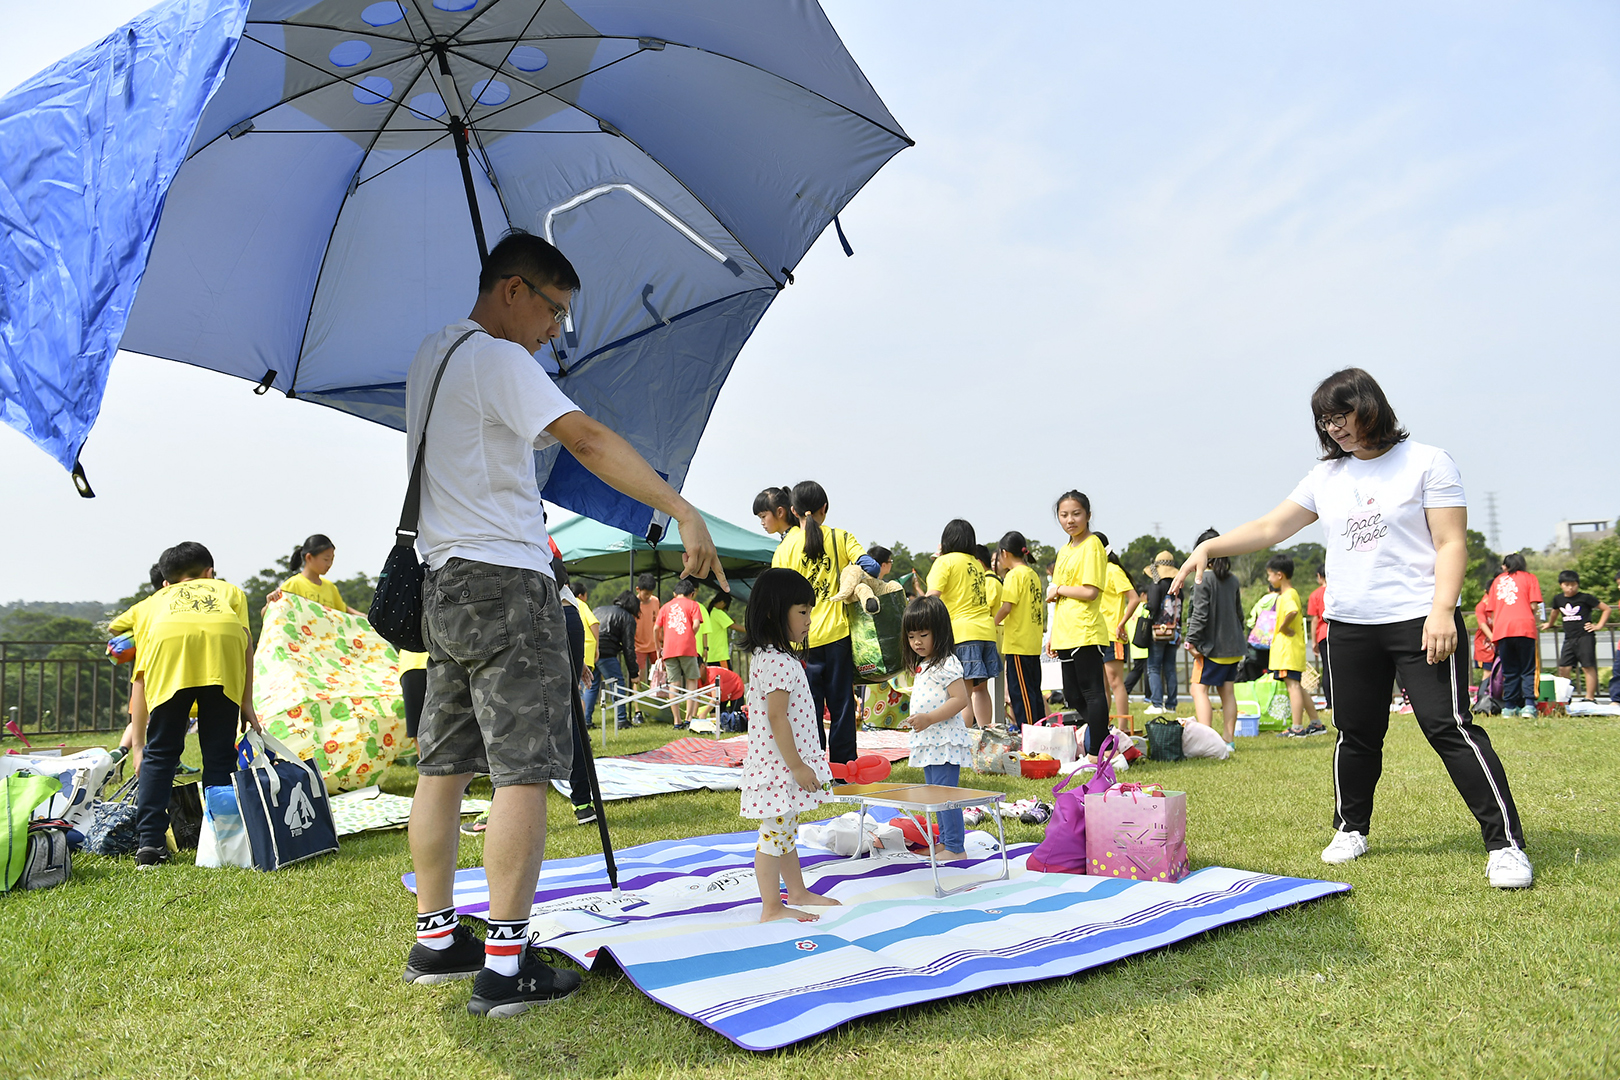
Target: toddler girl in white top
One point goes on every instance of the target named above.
(940, 742)
(785, 765)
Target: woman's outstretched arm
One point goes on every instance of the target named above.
(1284, 521)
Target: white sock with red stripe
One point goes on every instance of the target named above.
(504, 944)
(436, 929)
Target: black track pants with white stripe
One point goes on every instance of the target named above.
(1366, 661)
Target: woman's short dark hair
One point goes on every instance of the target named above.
(957, 536)
(766, 620)
(628, 601)
(880, 554)
(810, 498)
(1222, 566)
(1077, 496)
(926, 613)
(1354, 391)
(774, 498)
(1513, 562)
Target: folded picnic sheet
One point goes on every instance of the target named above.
(326, 685)
(685, 928)
(370, 808)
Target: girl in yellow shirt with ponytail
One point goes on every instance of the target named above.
(1080, 637)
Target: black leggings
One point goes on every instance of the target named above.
(1085, 690)
(1365, 660)
(1024, 688)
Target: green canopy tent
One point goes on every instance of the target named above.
(595, 551)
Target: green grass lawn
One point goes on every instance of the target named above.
(1423, 970)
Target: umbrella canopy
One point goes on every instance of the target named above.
(313, 184)
(592, 549)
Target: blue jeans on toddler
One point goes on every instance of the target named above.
(950, 821)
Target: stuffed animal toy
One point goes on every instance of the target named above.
(857, 586)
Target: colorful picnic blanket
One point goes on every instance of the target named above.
(729, 753)
(326, 685)
(684, 927)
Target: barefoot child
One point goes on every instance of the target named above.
(785, 765)
(940, 742)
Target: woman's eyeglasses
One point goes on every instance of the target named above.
(1337, 420)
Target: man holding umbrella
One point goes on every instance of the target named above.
(499, 693)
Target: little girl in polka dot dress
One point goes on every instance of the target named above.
(785, 766)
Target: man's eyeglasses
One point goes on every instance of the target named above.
(1337, 420)
(558, 312)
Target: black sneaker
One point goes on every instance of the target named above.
(148, 857)
(536, 983)
(584, 815)
(1037, 814)
(462, 960)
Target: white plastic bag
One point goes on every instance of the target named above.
(1056, 741)
(839, 835)
(224, 838)
(1200, 740)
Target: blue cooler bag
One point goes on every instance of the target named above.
(283, 804)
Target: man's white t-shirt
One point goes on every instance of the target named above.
(1380, 554)
(480, 498)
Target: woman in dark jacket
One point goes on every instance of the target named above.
(616, 647)
(1215, 637)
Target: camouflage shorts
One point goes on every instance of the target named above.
(499, 687)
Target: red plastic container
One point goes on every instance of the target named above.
(1037, 769)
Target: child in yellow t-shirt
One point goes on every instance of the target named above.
(198, 651)
(1288, 646)
(313, 558)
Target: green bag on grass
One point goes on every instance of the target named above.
(20, 793)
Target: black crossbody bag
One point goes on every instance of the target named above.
(396, 607)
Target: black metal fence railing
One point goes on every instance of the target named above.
(73, 691)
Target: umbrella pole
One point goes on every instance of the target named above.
(582, 727)
(459, 131)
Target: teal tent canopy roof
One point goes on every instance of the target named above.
(591, 548)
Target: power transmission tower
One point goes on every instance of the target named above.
(1492, 530)
(1157, 529)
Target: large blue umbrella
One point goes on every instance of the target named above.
(297, 193)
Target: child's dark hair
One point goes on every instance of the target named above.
(1077, 496)
(880, 554)
(1222, 566)
(1102, 538)
(314, 544)
(1354, 391)
(155, 575)
(720, 600)
(810, 498)
(1512, 562)
(1283, 564)
(766, 620)
(1014, 542)
(773, 499)
(1569, 576)
(957, 537)
(581, 592)
(185, 560)
(685, 587)
(982, 553)
(926, 613)
(647, 582)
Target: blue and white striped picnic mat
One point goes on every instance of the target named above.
(684, 929)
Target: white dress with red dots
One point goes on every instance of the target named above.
(768, 788)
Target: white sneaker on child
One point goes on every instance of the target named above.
(1343, 847)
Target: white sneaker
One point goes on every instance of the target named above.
(1344, 847)
(1152, 710)
(1509, 868)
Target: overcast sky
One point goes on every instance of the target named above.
(1128, 242)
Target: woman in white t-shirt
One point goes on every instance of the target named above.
(1395, 521)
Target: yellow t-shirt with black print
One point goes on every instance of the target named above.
(828, 621)
(959, 578)
(1025, 624)
(196, 635)
(1080, 622)
(326, 594)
